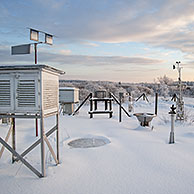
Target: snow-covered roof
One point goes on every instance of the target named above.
(30, 67)
(68, 88)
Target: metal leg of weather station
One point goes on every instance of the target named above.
(13, 138)
(36, 123)
(6, 140)
(43, 138)
(42, 145)
(19, 157)
(57, 135)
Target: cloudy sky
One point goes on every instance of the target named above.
(116, 40)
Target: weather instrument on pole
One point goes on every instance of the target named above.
(179, 102)
(172, 114)
(26, 48)
(21, 49)
(34, 36)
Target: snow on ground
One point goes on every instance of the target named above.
(136, 161)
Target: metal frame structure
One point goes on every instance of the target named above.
(39, 113)
(43, 138)
(179, 102)
(94, 105)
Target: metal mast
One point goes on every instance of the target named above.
(179, 102)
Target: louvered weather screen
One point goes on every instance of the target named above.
(26, 96)
(29, 89)
(5, 94)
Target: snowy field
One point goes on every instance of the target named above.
(135, 160)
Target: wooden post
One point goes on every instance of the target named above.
(20, 157)
(6, 139)
(42, 145)
(106, 104)
(13, 139)
(51, 149)
(110, 105)
(91, 107)
(156, 104)
(36, 143)
(57, 135)
(36, 121)
(120, 100)
(95, 105)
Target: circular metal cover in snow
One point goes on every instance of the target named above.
(89, 142)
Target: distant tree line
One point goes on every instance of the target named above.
(164, 86)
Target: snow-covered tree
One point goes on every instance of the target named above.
(162, 86)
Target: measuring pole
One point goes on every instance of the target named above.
(171, 139)
(172, 114)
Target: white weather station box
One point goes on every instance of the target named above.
(68, 95)
(29, 89)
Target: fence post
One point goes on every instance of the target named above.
(156, 103)
(120, 110)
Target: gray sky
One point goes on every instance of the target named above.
(103, 40)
